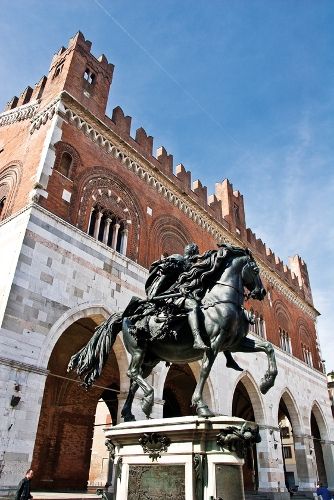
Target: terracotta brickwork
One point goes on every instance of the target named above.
(110, 169)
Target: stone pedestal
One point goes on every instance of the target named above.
(177, 458)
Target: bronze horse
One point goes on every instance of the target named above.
(224, 328)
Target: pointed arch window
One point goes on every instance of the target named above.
(285, 341)
(106, 227)
(307, 355)
(65, 164)
(259, 326)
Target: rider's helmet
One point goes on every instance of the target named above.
(191, 249)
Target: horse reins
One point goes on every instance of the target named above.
(245, 295)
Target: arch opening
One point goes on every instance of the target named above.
(242, 407)
(62, 453)
(317, 450)
(179, 386)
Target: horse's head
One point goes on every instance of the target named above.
(250, 275)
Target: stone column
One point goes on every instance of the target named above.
(328, 454)
(97, 224)
(305, 462)
(124, 241)
(115, 236)
(90, 218)
(106, 231)
(270, 463)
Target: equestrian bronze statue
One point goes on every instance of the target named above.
(193, 310)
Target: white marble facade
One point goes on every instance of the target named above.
(52, 275)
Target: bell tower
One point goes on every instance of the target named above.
(83, 76)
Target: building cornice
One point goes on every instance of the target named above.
(19, 114)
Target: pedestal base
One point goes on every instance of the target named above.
(177, 458)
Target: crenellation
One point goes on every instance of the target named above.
(165, 160)
(251, 237)
(201, 192)
(12, 103)
(79, 39)
(39, 88)
(144, 141)
(25, 96)
(216, 206)
(184, 177)
(279, 265)
(260, 247)
(299, 268)
(56, 56)
(122, 122)
(102, 59)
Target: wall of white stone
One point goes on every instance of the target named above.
(53, 275)
(56, 275)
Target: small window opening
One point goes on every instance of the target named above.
(65, 164)
(58, 69)
(89, 76)
(236, 212)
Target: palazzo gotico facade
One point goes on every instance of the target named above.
(85, 207)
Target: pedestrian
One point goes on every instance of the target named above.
(23, 489)
(323, 491)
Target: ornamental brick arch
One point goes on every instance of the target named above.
(98, 187)
(10, 177)
(282, 315)
(170, 237)
(61, 148)
(307, 343)
(284, 329)
(62, 450)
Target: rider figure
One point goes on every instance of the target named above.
(163, 275)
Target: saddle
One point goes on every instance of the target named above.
(153, 321)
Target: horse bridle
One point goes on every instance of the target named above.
(245, 295)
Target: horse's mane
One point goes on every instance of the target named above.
(201, 274)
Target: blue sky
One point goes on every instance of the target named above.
(242, 89)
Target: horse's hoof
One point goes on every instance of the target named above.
(146, 406)
(265, 385)
(203, 411)
(233, 364)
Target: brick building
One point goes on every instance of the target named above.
(85, 207)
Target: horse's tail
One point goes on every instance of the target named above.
(90, 360)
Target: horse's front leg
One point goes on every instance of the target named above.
(135, 374)
(126, 412)
(197, 399)
(250, 345)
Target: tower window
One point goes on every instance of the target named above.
(89, 76)
(58, 69)
(65, 164)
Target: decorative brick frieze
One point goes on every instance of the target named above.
(45, 115)
(17, 115)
